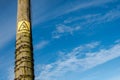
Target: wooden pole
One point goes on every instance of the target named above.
(24, 66)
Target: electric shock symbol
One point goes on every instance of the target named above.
(23, 27)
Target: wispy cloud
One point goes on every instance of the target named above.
(11, 73)
(88, 4)
(7, 32)
(84, 17)
(7, 23)
(74, 62)
(117, 77)
(117, 41)
(63, 29)
(41, 44)
(66, 8)
(96, 18)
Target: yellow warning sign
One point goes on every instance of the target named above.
(23, 26)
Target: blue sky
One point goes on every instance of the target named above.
(72, 39)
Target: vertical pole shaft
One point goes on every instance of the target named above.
(24, 67)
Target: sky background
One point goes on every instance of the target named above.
(72, 39)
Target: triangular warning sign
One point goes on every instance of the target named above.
(23, 26)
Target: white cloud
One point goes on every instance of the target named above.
(7, 23)
(88, 4)
(7, 33)
(117, 77)
(11, 73)
(97, 18)
(84, 17)
(43, 15)
(117, 41)
(74, 61)
(41, 44)
(63, 29)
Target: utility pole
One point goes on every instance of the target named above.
(24, 64)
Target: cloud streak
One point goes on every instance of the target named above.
(63, 29)
(88, 4)
(74, 61)
(6, 34)
(96, 18)
(8, 23)
(11, 73)
(41, 44)
(66, 8)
